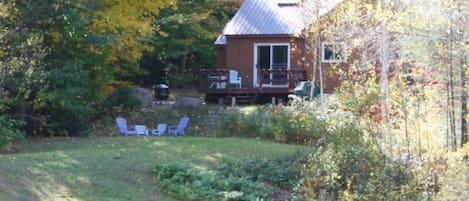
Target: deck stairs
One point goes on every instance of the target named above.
(243, 98)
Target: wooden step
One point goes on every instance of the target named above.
(243, 98)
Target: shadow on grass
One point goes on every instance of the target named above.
(115, 168)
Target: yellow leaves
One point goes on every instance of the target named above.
(56, 36)
(126, 21)
(3, 10)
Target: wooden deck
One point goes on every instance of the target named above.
(215, 85)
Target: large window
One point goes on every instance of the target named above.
(271, 59)
(333, 52)
(272, 56)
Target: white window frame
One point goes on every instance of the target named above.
(335, 52)
(256, 45)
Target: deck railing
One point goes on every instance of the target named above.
(279, 77)
(217, 80)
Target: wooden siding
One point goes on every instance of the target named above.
(239, 54)
(221, 56)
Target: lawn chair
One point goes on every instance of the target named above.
(141, 130)
(123, 128)
(234, 79)
(179, 129)
(160, 129)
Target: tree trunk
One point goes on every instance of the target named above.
(384, 82)
(462, 72)
(452, 119)
(315, 65)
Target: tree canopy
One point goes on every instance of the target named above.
(61, 60)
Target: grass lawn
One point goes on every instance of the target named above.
(115, 168)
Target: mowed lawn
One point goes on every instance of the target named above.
(116, 168)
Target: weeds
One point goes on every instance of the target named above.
(249, 180)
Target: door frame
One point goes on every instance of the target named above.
(255, 76)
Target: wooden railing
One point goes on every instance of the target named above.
(214, 79)
(280, 77)
(218, 79)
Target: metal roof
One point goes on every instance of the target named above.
(274, 17)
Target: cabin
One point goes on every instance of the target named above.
(262, 53)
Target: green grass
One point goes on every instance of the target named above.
(116, 168)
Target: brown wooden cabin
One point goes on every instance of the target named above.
(264, 44)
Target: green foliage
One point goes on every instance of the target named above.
(183, 42)
(186, 183)
(10, 130)
(350, 171)
(123, 101)
(249, 180)
(282, 172)
(455, 181)
(346, 161)
(277, 123)
(48, 72)
(117, 168)
(358, 95)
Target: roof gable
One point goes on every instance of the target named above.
(273, 17)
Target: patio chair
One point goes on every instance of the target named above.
(177, 130)
(234, 79)
(124, 128)
(160, 129)
(141, 130)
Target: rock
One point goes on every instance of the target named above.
(188, 102)
(144, 95)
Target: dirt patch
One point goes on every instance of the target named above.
(11, 148)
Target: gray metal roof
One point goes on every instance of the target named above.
(274, 17)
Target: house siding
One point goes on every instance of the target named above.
(221, 56)
(239, 54)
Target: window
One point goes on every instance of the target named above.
(271, 60)
(333, 52)
(273, 56)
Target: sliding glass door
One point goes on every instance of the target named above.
(270, 60)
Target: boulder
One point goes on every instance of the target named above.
(144, 95)
(188, 102)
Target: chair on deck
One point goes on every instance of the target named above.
(234, 79)
(123, 128)
(179, 129)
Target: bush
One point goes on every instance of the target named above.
(275, 123)
(333, 169)
(123, 100)
(9, 130)
(187, 183)
(348, 167)
(455, 182)
(249, 180)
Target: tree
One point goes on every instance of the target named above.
(442, 41)
(61, 59)
(125, 24)
(183, 41)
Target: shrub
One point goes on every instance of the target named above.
(9, 130)
(187, 183)
(249, 180)
(455, 182)
(276, 123)
(332, 169)
(348, 167)
(282, 172)
(123, 100)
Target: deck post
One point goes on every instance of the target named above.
(233, 101)
(273, 101)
